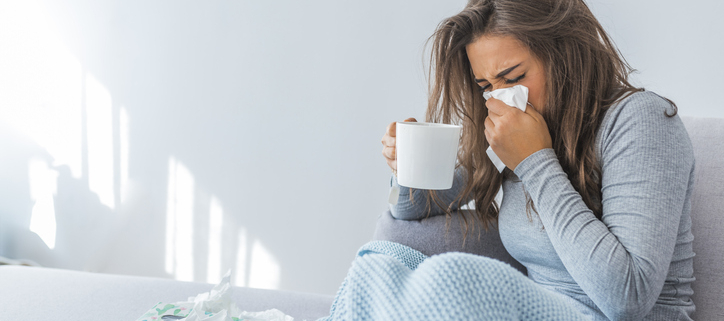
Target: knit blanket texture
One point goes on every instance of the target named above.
(391, 281)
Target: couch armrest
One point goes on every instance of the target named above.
(34, 293)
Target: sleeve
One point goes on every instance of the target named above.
(621, 261)
(418, 206)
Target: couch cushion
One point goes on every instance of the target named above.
(707, 216)
(431, 236)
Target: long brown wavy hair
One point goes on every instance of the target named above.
(585, 75)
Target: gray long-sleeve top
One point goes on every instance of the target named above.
(633, 264)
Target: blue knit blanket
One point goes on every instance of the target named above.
(390, 281)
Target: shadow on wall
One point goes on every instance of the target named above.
(15, 196)
(46, 212)
(68, 195)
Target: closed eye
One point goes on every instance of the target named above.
(507, 81)
(515, 80)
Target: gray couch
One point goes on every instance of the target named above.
(31, 293)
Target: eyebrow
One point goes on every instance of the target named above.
(501, 74)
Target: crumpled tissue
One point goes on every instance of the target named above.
(215, 305)
(516, 96)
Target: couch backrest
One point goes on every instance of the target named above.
(707, 215)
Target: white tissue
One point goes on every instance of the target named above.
(216, 305)
(394, 195)
(516, 96)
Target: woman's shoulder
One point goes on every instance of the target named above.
(643, 117)
(643, 110)
(639, 106)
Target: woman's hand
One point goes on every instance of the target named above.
(388, 145)
(513, 134)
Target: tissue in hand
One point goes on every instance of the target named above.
(516, 96)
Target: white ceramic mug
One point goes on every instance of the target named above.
(426, 154)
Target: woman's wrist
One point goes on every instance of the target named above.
(530, 163)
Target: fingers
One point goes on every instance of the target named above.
(534, 113)
(390, 156)
(388, 140)
(492, 119)
(496, 106)
(489, 129)
(389, 152)
(392, 164)
(391, 132)
(391, 129)
(489, 124)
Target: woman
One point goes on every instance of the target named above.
(596, 193)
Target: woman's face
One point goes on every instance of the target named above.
(503, 61)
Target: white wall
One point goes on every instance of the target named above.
(183, 138)
(264, 119)
(676, 47)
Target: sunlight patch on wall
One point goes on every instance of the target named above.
(42, 189)
(179, 221)
(241, 259)
(216, 217)
(265, 271)
(123, 151)
(41, 83)
(99, 124)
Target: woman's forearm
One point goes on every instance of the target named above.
(420, 205)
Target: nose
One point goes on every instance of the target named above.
(501, 85)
